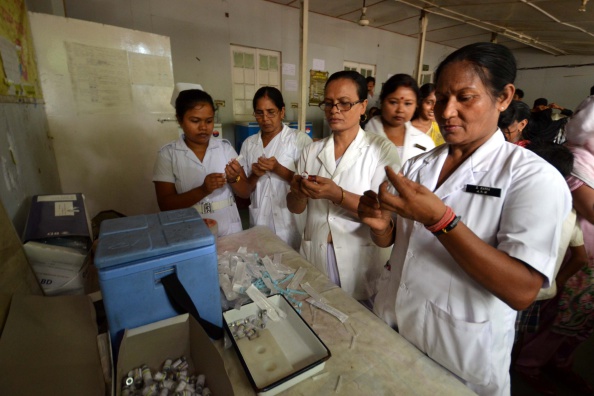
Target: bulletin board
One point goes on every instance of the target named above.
(105, 88)
(19, 80)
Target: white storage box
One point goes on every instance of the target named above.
(59, 270)
(284, 353)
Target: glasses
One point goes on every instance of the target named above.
(267, 114)
(341, 106)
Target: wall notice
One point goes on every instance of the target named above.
(317, 81)
(150, 70)
(100, 79)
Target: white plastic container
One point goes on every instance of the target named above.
(285, 352)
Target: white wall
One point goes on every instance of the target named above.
(26, 158)
(566, 86)
(200, 29)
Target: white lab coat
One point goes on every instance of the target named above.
(435, 304)
(361, 168)
(269, 200)
(415, 141)
(176, 163)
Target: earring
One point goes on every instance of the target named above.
(363, 117)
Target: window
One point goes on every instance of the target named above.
(364, 69)
(252, 68)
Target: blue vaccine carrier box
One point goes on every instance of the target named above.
(135, 253)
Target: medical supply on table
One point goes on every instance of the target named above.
(263, 304)
(296, 281)
(331, 310)
(312, 292)
(239, 270)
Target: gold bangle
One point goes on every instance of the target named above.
(342, 199)
(387, 231)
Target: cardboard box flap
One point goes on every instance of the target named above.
(49, 346)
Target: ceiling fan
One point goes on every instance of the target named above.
(363, 21)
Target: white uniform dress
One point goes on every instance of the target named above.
(518, 207)
(415, 141)
(269, 200)
(361, 168)
(177, 163)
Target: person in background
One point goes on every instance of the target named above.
(399, 101)
(424, 118)
(512, 122)
(197, 170)
(372, 100)
(542, 104)
(332, 173)
(519, 95)
(269, 159)
(571, 258)
(542, 126)
(572, 318)
(473, 239)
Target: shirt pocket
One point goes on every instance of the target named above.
(462, 347)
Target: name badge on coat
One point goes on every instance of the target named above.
(483, 190)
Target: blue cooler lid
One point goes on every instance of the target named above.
(133, 238)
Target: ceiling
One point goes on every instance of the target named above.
(553, 26)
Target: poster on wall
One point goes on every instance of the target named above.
(19, 79)
(317, 81)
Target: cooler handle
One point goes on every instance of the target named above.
(182, 303)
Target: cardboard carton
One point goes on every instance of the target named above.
(172, 338)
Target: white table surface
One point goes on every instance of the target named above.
(381, 362)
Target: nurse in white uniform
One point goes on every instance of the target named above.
(477, 227)
(269, 159)
(343, 165)
(400, 98)
(197, 170)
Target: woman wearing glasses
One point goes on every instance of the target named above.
(400, 99)
(331, 176)
(269, 159)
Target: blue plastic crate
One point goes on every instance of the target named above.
(134, 253)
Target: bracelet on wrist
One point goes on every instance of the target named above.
(342, 199)
(446, 218)
(451, 225)
(388, 231)
(234, 180)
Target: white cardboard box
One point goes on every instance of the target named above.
(59, 270)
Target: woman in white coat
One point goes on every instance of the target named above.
(474, 240)
(399, 101)
(197, 170)
(269, 159)
(341, 167)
